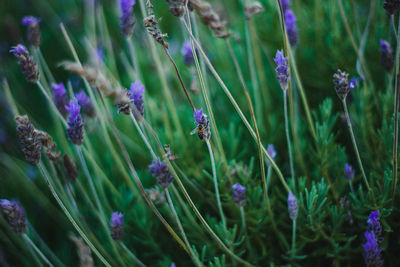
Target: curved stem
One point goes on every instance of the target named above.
(37, 250)
(144, 138)
(70, 218)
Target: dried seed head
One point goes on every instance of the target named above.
(177, 7)
(84, 252)
(123, 102)
(28, 67)
(169, 153)
(151, 25)
(391, 6)
(30, 143)
(155, 195)
(33, 30)
(70, 168)
(14, 214)
(48, 145)
(341, 81)
(253, 9)
(210, 18)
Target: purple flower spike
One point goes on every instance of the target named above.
(239, 195)
(159, 170)
(186, 51)
(387, 59)
(86, 104)
(272, 153)
(33, 32)
(136, 94)
(285, 4)
(116, 228)
(282, 70)
(291, 27)
(75, 124)
(60, 97)
(349, 172)
(292, 206)
(28, 67)
(14, 214)
(203, 124)
(372, 254)
(373, 225)
(127, 22)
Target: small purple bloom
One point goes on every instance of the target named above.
(292, 206)
(86, 104)
(239, 195)
(159, 170)
(14, 214)
(60, 97)
(187, 54)
(349, 172)
(387, 59)
(203, 124)
(282, 70)
(291, 27)
(116, 227)
(136, 93)
(33, 32)
(127, 22)
(28, 67)
(272, 153)
(173, 264)
(373, 225)
(285, 4)
(372, 254)
(75, 124)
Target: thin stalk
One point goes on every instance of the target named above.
(70, 218)
(178, 222)
(293, 252)
(133, 256)
(133, 55)
(285, 107)
(217, 196)
(353, 140)
(351, 187)
(144, 138)
(45, 66)
(396, 115)
(237, 108)
(36, 249)
(52, 105)
(244, 227)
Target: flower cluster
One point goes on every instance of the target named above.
(33, 31)
(136, 93)
(292, 206)
(29, 140)
(387, 59)
(239, 194)
(159, 170)
(86, 104)
(187, 54)
(14, 214)
(127, 22)
(372, 253)
(75, 124)
(349, 172)
(341, 82)
(60, 97)
(28, 67)
(290, 22)
(116, 227)
(203, 124)
(282, 69)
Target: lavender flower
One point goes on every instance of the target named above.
(391, 6)
(60, 97)
(272, 153)
(387, 59)
(373, 225)
(159, 170)
(33, 32)
(187, 54)
(292, 206)
(282, 69)
(239, 194)
(14, 214)
(75, 124)
(116, 228)
(291, 27)
(30, 143)
(28, 67)
(127, 22)
(372, 254)
(340, 79)
(136, 93)
(86, 104)
(203, 124)
(285, 4)
(349, 172)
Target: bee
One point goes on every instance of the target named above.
(199, 130)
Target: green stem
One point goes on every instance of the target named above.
(133, 256)
(293, 239)
(70, 218)
(144, 138)
(244, 227)
(289, 144)
(37, 250)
